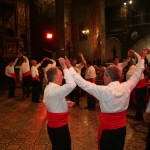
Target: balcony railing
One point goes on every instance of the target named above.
(120, 23)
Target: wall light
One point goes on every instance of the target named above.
(130, 2)
(124, 3)
(86, 31)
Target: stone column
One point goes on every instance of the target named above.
(102, 30)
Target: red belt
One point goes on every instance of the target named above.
(141, 83)
(26, 74)
(56, 120)
(111, 121)
(35, 78)
(13, 75)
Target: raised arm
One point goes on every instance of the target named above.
(41, 62)
(14, 63)
(124, 64)
(83, 61)
(26, 59)
(133, 80)
(86, 85)
(53, 61)
(66, 88)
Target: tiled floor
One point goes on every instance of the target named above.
(23, 126)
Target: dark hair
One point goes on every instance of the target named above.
(88, 62)
(10, 60)
(51, 73)
(22, 60)
(113, 72)
(72, 59)
(115, 57)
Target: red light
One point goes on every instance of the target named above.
(49, 35)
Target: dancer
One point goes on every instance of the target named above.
(140, 90)
(25, 76)
(114, 101)
(56, 105)
(36, 80)
(146, 117)
(75, 94)
(11, 75)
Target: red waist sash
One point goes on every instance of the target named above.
(111, 121)
(141, 83)
(13, 75)
(35, 78)
(56, 120)
(26, 74)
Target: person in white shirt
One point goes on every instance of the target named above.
(119, 65)
(11, 75)
(25, 76)
(75, 94)
(114, 100)
(49, 65)
(35, 80)
(146, 117)
(140, 90)
(56, 105)
(90, 75)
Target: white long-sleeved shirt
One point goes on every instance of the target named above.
(115, 96)
(34, 71)
(133, 68)
(10, 69)
(25, 67)
(121, 66)
(54, 95)
(78, 67)
(50, 65)
(90, 73)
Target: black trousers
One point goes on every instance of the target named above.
(91, 102)
(60, 138)
(75, 96)
(35, 91)
(141, 93)
(12, 85)
(113, 139)
(26, 83)
(148, 139)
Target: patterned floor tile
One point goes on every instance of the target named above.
(23, 126)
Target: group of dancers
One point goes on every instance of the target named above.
(113, 99)
(113, 96)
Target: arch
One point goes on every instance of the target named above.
(113, 48)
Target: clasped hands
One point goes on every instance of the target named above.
(64, 62)
(143, 53)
